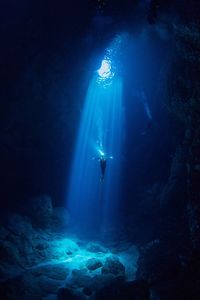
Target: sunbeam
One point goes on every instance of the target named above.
(94, 188)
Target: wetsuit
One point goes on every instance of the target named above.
(103, 163)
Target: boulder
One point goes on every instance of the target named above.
(113, 266)
(18, 246)
(57, 272)
(93, 264)
(100, 281)
(63, 248)
(48, 285)
(80, 278)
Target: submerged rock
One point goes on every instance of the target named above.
(61, 248)
(100, 281)
(40, 211)
(57, 272)
(94, 247)
(49, 285)
(113, 266)
(80, 278)
(93, 264)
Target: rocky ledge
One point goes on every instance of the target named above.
(39, 260)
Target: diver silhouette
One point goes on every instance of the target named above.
(103, 163)
(102, 159)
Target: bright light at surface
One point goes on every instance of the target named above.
(110, 65)
(105, 69)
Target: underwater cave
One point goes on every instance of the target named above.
(100, 150)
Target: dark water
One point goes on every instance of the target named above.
(99, 149)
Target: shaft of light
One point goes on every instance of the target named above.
(93, 203)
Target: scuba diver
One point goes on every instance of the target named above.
(102, 159)
(103, 163)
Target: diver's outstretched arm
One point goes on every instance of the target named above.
(96, 158)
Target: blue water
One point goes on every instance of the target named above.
(93, 203)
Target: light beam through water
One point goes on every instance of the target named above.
(93, 203)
